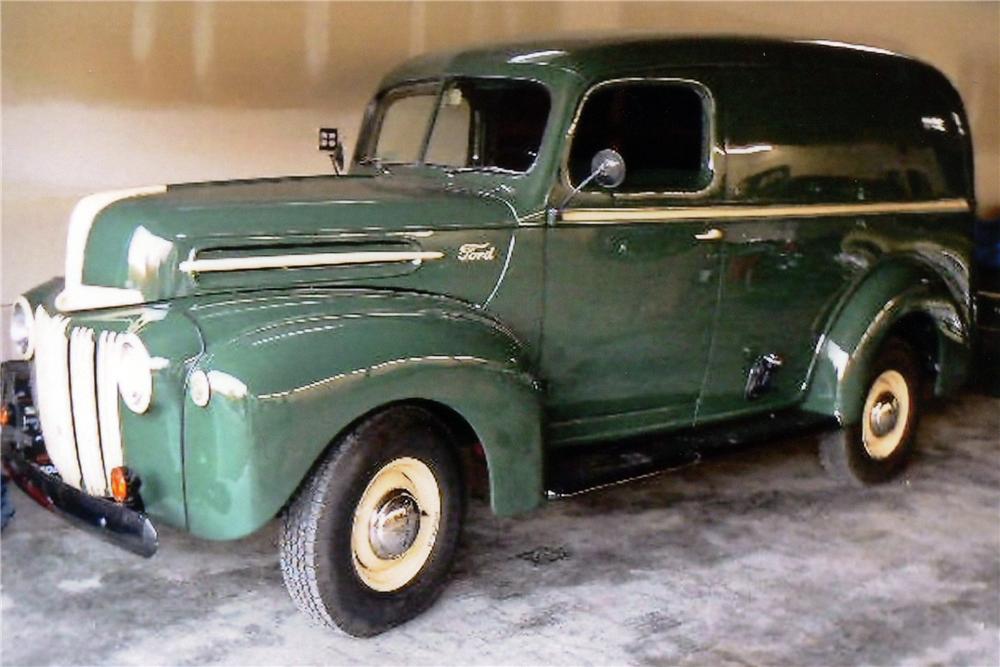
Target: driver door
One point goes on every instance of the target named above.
(631, 284)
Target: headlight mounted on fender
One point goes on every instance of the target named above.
(135, 374)
(22, 329)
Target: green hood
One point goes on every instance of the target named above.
(182, 241)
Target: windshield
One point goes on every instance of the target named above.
(463, 124)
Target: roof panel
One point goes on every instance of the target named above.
(595, 57)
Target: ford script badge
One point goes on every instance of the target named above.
(476, 252)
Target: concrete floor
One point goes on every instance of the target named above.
(754, 558)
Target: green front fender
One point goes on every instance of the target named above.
(891, 293)
(292, 373)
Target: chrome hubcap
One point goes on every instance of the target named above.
(884, 414)
(394, 525)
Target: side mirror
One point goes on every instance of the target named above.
(608, 168)
(329, 142)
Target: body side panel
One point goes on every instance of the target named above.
(872, 146)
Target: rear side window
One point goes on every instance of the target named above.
(846, 136)
(661, 129)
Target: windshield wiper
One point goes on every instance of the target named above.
(375, 162)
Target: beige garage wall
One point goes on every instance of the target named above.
(111, 95)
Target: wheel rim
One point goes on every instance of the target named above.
(395, 524)
(887, 410)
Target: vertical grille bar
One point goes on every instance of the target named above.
(77, 393)
(52, 372)
(107, 402)
(82, 356)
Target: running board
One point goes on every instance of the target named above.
(572, 470)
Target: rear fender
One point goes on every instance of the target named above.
(846, 352)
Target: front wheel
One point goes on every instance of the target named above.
(369, 541)
(878, 447)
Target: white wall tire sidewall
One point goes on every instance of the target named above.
(417, 479)
(880, 448)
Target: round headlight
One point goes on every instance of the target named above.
(22, 328)
(135, 374)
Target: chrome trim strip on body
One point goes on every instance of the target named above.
(82, 219)
(606, 216)
(86, 297)
(76, 295)
(503, 271)
(303, 261)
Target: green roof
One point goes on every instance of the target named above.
(591, 59)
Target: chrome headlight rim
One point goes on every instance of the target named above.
(135, 374)
(22, 329)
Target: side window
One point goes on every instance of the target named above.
(936, 165)
(661, 129)
(846, 136)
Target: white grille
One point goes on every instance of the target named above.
(78, 401)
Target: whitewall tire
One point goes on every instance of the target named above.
(876, 449)
(369, 541)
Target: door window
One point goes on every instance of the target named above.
(661, 129)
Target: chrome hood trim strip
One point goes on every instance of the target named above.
(303, 261)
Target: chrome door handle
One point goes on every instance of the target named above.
(714, 234)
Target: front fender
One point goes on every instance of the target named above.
(845, 353)
(290, 372)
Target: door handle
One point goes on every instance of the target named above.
(714, 234)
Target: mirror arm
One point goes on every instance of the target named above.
(607, 162)
(575, 191)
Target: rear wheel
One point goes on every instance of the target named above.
(368, 543)
(878, 447)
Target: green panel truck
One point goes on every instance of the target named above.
(540, 254)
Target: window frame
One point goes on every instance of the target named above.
(374, 128)
(710, 163)
(413, 88)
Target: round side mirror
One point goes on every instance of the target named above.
(608, 167)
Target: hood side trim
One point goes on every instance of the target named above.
(303, 261)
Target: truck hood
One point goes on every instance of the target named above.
(156, 243)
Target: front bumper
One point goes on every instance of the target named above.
(23, 447)
(117, 523)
